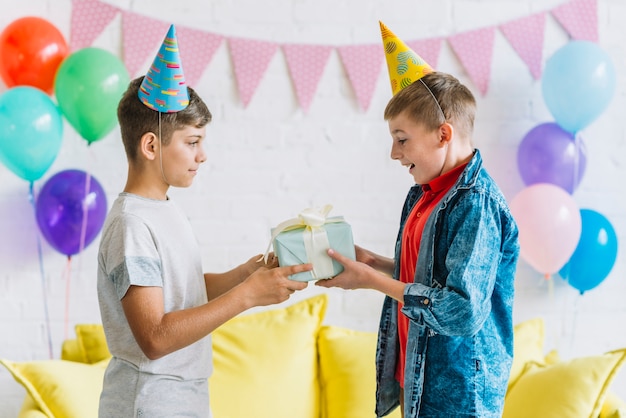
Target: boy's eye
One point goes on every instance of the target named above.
(401, 141)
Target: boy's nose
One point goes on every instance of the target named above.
(395, 154)
(201, 157)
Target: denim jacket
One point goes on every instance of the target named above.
(460, 337)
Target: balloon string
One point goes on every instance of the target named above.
(83, 228)
(68, 275)
(576, 161)
(92, 154)
(42, 273)
(574, 321)
(555, 333)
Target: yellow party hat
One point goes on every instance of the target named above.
(404, 65)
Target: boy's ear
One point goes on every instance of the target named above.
(149, 145)
(446, 132)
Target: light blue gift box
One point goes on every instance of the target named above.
(290, 249)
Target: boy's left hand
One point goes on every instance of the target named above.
(257, 261)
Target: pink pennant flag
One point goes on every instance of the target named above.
(196, 51)
(142, 37)
(579, 18)
(428, 49)
(250, 60)
(363, 64)
(475, 51)
(89, 18)
(306, 64)
(526, 37)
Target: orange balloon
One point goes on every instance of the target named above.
(31, 50)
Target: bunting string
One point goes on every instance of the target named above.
(141, 35)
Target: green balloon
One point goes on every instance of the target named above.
(88, 86)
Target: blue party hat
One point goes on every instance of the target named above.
(164, 88)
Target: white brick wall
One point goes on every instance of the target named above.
(268, 161)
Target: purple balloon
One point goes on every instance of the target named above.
(61, 205)
(549, 154)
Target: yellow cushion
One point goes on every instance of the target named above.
(71, 351)
(348, 373)
(92, 342)
(265, 363)
(574, 388)
(613, 407)
(528, 345)
(30, 409)
(61, 388)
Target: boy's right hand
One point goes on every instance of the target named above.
(270, 286)
(364, 256)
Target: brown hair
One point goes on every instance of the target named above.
(446, 95)
(136, 119)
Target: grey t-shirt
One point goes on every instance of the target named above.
(148, 242)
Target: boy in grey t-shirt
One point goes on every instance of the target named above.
(158, 308)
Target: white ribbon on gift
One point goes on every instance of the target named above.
(314, 237)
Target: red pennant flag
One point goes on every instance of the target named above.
(250, 59)
(475, 51)
(526, 37)
(306, 64)
(579, 18)
(428, 49)
(89, 18)
(142, 37)
(196, 51)
(363, 64)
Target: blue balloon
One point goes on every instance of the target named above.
(578, 83)
(31, 130)
(595, 254)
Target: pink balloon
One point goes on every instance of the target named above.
(549, 225)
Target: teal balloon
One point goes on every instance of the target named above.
(595, 254)
(88, 86)
(31, 131)
(578, 83)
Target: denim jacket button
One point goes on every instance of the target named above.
(425, 301)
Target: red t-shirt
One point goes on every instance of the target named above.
(411, 238)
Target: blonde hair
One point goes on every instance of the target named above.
(438, 98)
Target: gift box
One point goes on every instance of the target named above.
(307, 238)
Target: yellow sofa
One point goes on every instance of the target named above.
(285, 363)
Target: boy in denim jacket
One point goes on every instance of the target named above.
(445, 342)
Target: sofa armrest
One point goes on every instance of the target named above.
(30, 409)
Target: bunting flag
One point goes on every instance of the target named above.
(579, 18)
(89, 18)
(428, 49)
(197, 48)
(363, 64)
(526, 37)
(306, 64)
(142, 37)
(475, 51)
(250, 60)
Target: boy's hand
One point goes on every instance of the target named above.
(364, 256)
(354, 274)
(269, 286)
(256, 262)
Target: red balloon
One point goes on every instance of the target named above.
(31, 50)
